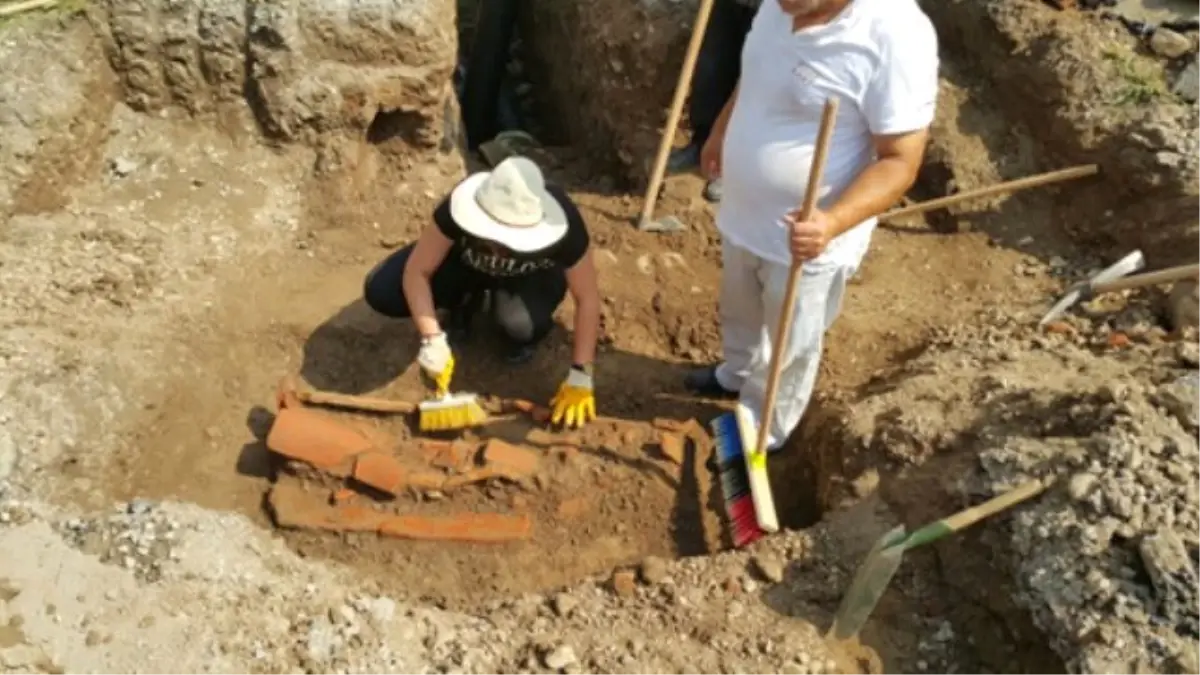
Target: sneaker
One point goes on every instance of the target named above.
(713, 191)
(703, 381)
(684, 159)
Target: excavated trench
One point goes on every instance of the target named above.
(263, 158)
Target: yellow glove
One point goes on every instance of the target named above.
(575, 404)
(437, 362)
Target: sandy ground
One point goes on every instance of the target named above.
(163, 275)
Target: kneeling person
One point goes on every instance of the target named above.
(503, 233)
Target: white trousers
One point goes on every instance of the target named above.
(750, 306)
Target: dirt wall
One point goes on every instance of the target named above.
(1073, 83)
(606, 71)
(367, 84)
(54, 109)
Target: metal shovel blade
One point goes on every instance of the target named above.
(869, 583)
(1123, 267)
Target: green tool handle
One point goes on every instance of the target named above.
(967, 517)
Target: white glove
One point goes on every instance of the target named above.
(436, 359)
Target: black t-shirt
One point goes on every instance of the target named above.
(496, 262)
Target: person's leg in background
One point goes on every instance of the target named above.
(718, 66)
(452, 286)
(713, 80)
(818, 302)
(740, 309)
(525, 312)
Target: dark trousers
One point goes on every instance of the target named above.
(718, 65)
(523, 308)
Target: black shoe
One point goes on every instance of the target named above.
(703, 381)
(684, 159)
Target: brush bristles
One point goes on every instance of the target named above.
(734, 481)
(452, 412)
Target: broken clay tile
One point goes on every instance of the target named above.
(430, 450)
(667, 424)
(541, 437)
(285, 393)
(569, 509)
(672, 447)
(317, 440)
(522, 406)
(455, 457)
(513, 461)
(426, 480)
(341, 496)
(465, 527)
(380, 471)
(294, 507)
(472, 476)
(564, 453)
(1060, 328)
(1118, 341)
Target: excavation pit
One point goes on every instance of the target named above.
(184, 226)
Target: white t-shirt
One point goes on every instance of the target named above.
(879, 57)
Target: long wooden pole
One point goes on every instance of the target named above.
(681, 90)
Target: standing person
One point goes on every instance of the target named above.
(507, 234)
(880, 58)
(718, 67)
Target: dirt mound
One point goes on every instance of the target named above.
(1104, 562)
(1082, 90)
(53, 113)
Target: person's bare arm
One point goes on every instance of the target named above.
(882, 183)
(722, 121)
(427, 255)
(585, 290)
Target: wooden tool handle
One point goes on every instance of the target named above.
(1009, 186)
(1148, 279)
(784, 329)
(27, 5)
(681, 90)
(970, 516)
(364, 403)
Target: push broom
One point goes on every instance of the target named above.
(745, 486)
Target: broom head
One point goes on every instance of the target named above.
(452, 411)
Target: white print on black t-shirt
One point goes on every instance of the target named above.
(502, 266)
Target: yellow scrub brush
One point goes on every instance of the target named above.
(446, 411)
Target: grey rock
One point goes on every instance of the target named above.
(654, 570)
(1187, 83)
(1180, 399)
(560, 657)
(1183, 305)
(1080, 486)
(563, 604)
(768, 567)
(1166, 42)
(1188, 354)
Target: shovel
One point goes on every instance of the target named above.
(882, 561)
(645, 221)
(1094, 287)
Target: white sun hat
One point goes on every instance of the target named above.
(509, 205)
